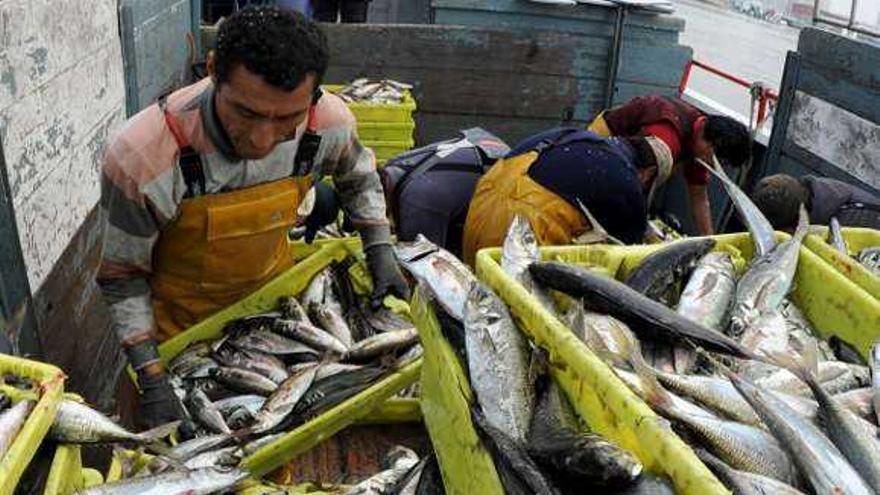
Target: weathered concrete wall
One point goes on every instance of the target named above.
(61, 94)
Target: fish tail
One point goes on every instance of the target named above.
(807, 368)
(159, 432)
(655, 394)
(803, 226)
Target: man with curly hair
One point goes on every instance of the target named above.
(200, 190)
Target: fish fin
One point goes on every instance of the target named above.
(598, 231)
(655, 394)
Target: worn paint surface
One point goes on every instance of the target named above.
(61, 94)
(837, 136)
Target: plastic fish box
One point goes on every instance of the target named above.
(380, 112)
(67, 474)
(856, 240)
(386, 131)
(310, 434)
(385, 150)
(28, 440)
(834, 305)
(465, 464)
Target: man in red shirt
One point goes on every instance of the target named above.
(689, 134)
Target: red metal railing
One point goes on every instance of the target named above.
(764, 95)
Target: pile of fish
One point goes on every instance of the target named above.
(385, 91)
(732, 362)
(13, 416)
(868, 257)
(524, 420)
(267, 374)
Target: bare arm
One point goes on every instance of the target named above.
(699, 198)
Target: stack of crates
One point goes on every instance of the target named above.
(386, 128)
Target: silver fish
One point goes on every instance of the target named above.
(271, 343)
(874, 363)
(785, 381)
(686, 407)
(79, 423)
(251, 402)
(860, 401)
(399, 460)
(743, 482)
(314, 293)
(520, 250)
(743, 446)
(381, 344)
(227, 457)
(197, 350)
(763, 236)
(814, 454)
(768, 280)
(835, 236)
(280, 404)
(257, 444)
(870, 259)
(842, 425)
(447, 277)
(191, 448)
(708, 294)
(333, 322)
(245, 381)
(265, 364)
(605, 335)
(291, 309)
(498, 358)
(202, 481)
(386, 320)
(198, 404)
(310, 335)
(11, 422)
(193, 367)
(766, 336)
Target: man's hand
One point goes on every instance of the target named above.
(700, 209)
(325, 211)
(158, 404)
(386, 274)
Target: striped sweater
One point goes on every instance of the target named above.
(142, 188)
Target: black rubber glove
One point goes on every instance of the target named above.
(386, 274)
(159, 404)
(326, 210)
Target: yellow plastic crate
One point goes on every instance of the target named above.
(22, 450)
(386, 131)
(293, 282)
(835, 306)
(67, 474)
(856, 240)
(465, 464)
(392, 112)
(386, 150)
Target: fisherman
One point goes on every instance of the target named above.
(551, 177)
(779, 197)
(428, 190)
(200, 190)
(690, 134)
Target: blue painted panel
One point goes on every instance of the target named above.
(154, 48)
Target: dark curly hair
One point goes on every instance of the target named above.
(729, 137)
(279, 44)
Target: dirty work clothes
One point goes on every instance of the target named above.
(853, 206)
(674, 121)
(429, 189)
(143, 188)
(347, 11)
(544, 181)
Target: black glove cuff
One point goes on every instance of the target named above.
(142, 355)
(375, 235)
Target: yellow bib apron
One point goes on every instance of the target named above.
(507, 190)
(220, 248)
